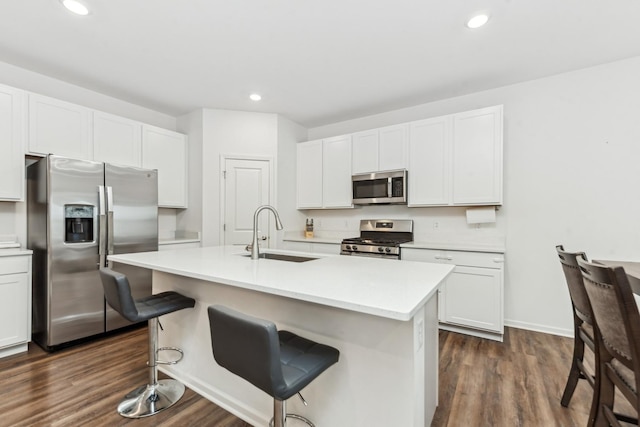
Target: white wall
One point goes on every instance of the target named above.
(226, 132)
(39, 83)
(572, 144)
(289, 133)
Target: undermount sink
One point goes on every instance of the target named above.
(283, 257)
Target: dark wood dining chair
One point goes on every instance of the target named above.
(617, 339)
(582, 326)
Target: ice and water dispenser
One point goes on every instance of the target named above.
(78, 222)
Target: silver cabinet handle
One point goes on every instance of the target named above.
(263, 238)
(498, 260)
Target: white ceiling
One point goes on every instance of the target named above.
(315, 62)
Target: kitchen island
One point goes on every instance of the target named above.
(380, 314)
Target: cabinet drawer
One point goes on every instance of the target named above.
(473, 259)
(14, 264)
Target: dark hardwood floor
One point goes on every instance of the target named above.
(482, 383)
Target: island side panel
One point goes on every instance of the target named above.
(383, 377)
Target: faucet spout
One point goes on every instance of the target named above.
(255, 250)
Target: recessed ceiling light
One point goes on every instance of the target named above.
(75, 7)
(255, 97)
(478, 20)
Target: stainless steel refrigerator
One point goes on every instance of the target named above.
(78, 212)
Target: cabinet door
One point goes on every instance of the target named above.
(14, 309)
(429, 161)
(477, 157)
(166, 151)
(336, 172)
(58, 127)
(473, 297)
(326, 248)
(364, 151)
(12, 115)
(117, 140)
(392, 149)
(309, 174)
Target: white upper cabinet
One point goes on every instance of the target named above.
(309, 175)
(392, 148)
(166, 151)
(12, 122)
(477, 157)
(380, 149)
(336, 172)
(58, 127)
(430, 162)
(324, 173)
(456, 159)
(117, 140)
(365, 151)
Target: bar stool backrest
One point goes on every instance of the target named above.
(248, 347)
(573, 276)
(117, 292)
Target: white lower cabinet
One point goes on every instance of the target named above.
(15, 304)
(173, 246)
(471, 299)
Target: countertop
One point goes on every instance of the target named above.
(384, 288)
(177, 237)
(15, 251)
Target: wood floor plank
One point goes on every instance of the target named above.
(482, 383)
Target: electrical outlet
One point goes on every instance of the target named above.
(436, 224)
(420, 333)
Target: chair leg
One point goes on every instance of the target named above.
(574, 373)
(155, 396)
(606, 395)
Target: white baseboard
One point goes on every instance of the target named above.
(540, 328)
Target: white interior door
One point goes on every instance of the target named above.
(247, 186)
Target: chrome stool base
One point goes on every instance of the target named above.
(148, 400)
(295, 417)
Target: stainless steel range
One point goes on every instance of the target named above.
(380, 238)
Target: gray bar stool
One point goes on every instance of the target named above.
(157, 395)
(279, 363)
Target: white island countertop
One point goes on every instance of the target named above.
(385, 288)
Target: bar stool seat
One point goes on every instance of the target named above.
(280, 363)
(157, 395)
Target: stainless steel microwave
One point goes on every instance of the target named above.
(388, 187)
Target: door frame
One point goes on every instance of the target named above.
(272, 189)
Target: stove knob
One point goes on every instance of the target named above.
(380, 249)
(387, 250)
(354, 248)
(347, 247)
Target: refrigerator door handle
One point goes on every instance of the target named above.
(109, 220)
(102, 225)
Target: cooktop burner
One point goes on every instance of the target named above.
(379, 238)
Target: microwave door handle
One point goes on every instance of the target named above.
(389, 187)
(102, 226)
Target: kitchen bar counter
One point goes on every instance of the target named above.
(380, 314)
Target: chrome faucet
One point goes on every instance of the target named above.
(255, 250)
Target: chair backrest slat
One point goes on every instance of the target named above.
(614, 310)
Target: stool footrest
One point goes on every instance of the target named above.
(296, 417)
(169, 362)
